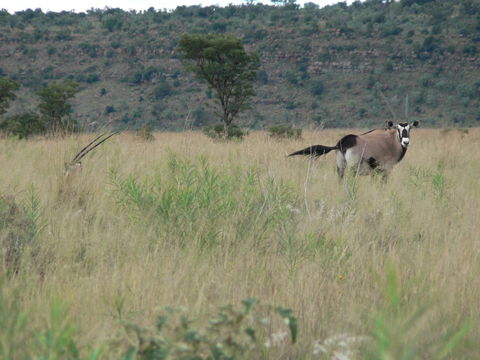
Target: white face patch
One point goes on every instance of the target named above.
(403, 131)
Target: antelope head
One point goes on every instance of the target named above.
(403, 131)
(75, 164)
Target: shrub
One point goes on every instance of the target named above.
(231, 334)
(20, 338)
(426, 80)
(7, 93)
(362, 113)
(316, 87)
(110, 109)
(217, 132)
(14, 335)
(20, 224)
(112, 23)
(290, 104)
(91, 78)
(51, 50)
(292, 77)
(199, 205)
(162, 91)
(219, 27)
(24, 125)
(262, 77)
(395, 326)
(145, 133)
(63, 35)
(284, 132)
(200, 117)
(469, 50)
(149, 73)
(89, 49)
(54, 105)
(135, 78)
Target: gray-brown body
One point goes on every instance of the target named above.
(376, 151)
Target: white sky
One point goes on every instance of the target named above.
(82, 5)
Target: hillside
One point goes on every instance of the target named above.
(320, 66)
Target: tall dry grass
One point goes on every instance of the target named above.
(280, 229)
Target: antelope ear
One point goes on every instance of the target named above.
(390, 124)
(416, 124)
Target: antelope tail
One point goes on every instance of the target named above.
(314, 150)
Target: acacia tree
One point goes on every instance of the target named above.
(54, 103)
(228, 69)
(7, 88)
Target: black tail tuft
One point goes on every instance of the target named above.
(314, 150)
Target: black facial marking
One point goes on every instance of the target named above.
(404, 133)
(404, 151)
(372, 163)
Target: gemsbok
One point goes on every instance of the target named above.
(375, 151)
(75, 164)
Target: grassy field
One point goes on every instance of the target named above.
(185, 222)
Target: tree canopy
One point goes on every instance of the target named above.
(221, 60)
(7, 88)
(54, 103)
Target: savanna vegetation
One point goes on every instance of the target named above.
(136, 255)
(173, 246)
(319, 66)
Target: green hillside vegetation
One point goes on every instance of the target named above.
(319, 66)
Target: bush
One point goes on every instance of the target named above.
(201, 205)
(262, 77)
(150, 73)
(89, 49)
(162, 91)
(292, 77)
(217, 132)
(316, 88)
(51, 50)
(20, 224)
(112, 23)
(110, 109)
(145, 133)
(22, 338)
(395, 325)
(135, 78)
(469, 50)
(231, 334)
(284, 132)
(200, 117)
(92, 78)
(63, 35)
(24, 125)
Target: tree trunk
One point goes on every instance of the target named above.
(58, 128)
(226, 125)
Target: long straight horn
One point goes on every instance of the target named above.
(80, 153)
(406, 108)
(77, 159)
(387, 103)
